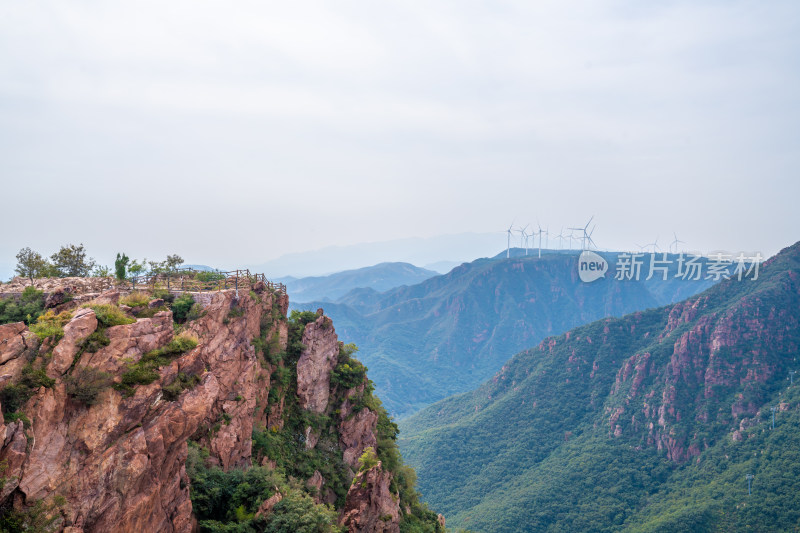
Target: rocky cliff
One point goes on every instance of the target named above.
(104, 401)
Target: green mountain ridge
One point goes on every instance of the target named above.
(647, 422)
(449, 333)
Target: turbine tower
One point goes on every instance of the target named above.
(508, 246)
(547, 237)
(540, 239)
(675, 243)
(522, 237)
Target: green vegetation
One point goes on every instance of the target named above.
(228, 501)
(136, 268)
(163, 294)
(85, 383)
(540, 448)
(145, 370)
(182, 382)
(120, 266)
(181, 307)
(14, 396)
(135, 299)
(209, 276)
(31, 264)
(109, 315)
(71, 261)
(287, 448)
(50, 325)
(368, 459)
(348, 373)
(40, 517)
(27, 309)
(167, 266)
(94, 342)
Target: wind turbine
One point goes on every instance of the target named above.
(540, 239)
(654, 244)
(583, 238)
(508, 246)
(675, 242)
(589, 238)
(522, 237)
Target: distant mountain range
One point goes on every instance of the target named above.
(438, 253)
(649, 422)
(381, 277)
(450, 332)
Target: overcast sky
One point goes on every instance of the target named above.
(240, 131)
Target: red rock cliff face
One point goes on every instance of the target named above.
(370, 506)
(119, 464)
(708, 367)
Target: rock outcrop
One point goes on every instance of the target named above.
(371, 505)
(316, 362)
(83, 324)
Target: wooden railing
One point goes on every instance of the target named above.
(191, 280)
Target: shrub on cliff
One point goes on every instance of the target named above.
(15, 395)
(135, 299)
(27, 309)
(182, 382)
(368, 459)
(109, 315)
(50, 325)
(86, 383)
(181, 307)
(348, 373)
(228, 501)
(145, 370)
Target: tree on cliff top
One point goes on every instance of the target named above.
(31, 264)
(71, 261)
(120, 266)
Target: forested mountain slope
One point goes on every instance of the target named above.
(647, 422)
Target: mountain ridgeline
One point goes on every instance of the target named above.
(649, 422)
(449, 333)
(380, 277)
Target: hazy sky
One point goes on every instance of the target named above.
(240, 131)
